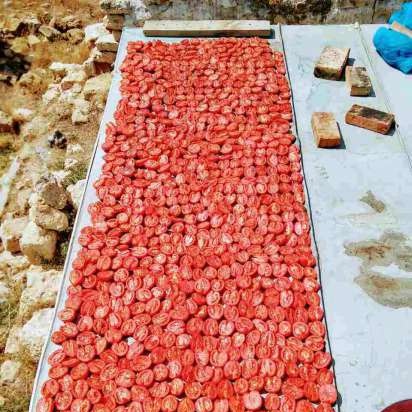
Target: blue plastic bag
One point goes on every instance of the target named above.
(394, 47)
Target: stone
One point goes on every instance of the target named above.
(62, 69)
(51, 191)
(4, 292)
(34, 333)
(140, 12)
(20, 45)
(94, 31)
(11, 230)
(74, 149)
(35, 128)
(37, 243)
(358, 81)
(32, 40)
(57, 139)
(71, 164)
(22, 115)
(76, 193)
(66, 23)
(117, 34)
(401, 29)
(74, 36)
(73, 77)
(6, 123)
(114, 21)
(51, 94)
(6, 140)
(325, 129)
(115, 6)
(103, 57)
(30, 24)
(13, 340)
(89, 67)
(331, 63)
(48, 217)
(81, 111)
(42, 288)
(9, 371)
(107, 43)
(97, 88)
(35, 80)
(11, 265)
(369, 118)
(50, 33)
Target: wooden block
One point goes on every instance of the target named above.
(358, 81)
(401, 29)
(369, 118)
(325, 129)
(331, 63)
(205, 28)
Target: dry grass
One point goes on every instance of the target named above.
(62, 51)
(18, 396)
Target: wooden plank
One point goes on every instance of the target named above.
(401, 29)
(206, 28)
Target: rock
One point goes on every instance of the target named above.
(35, 80)
(20, 45)
(76, 193)
(57, 139)
(34, 333)
(9, 371)
(69, 96)
(67, 23)
(6, 123)
(51, 94)
(50, 33)
(13, 340)
(32, 40)
(11, 264)
(114, 21)
(22, 200)
(30, 24)
(11, 230)
(89, 67)
(140, 12)
(107, 43)
(6, 140)
(74, 36)
(71, 164)
(94, 31)
(48, 217)
(103, 57)
(72, 78)
(62, 69)
(22, 115)
(74, 149)
(4, 292)
(115, 6)
(51, 191)
(42, 288)
(36, 127)
(325, 129)
(81, 111)
(38, 243)
(97, 88)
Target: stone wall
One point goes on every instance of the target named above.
(278, 11)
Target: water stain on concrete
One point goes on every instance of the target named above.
(373, 202)
(391, 248)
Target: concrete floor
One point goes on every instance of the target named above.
(360, 199)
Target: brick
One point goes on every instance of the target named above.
(358, 81)
(331, 63)
(370, 119)
(325, 129)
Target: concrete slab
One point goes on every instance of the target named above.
(370, 342)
